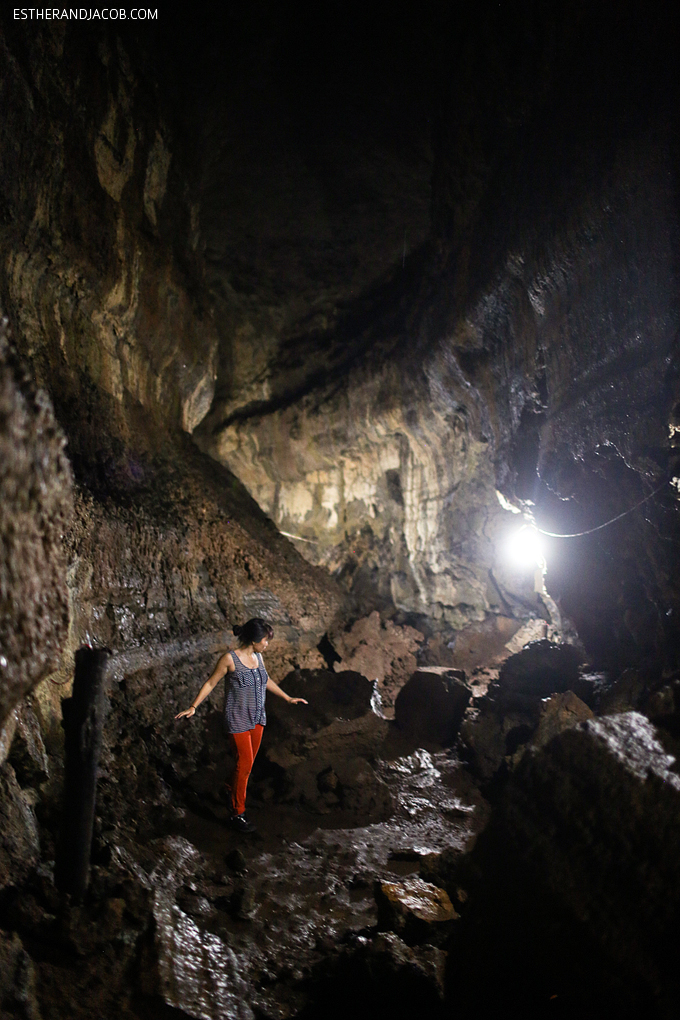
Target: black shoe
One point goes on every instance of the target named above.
(241, 824)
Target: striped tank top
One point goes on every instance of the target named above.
(246, 689)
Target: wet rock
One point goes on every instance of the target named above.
(243, 903)
(18, 997)
(431, 705)
(195, 905)
(28, 756)
(192, 969)
(416, 910)
(236, 861)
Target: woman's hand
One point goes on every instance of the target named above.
(275, 689)
(225, 664)
(188, 712)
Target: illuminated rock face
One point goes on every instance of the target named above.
(387, 482)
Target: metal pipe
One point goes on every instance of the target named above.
(83, 716)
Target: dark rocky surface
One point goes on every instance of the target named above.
(591, 813)
(536, 693)
(36, 498)
(183, 911)
(431, 705)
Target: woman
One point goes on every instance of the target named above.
(244, 713)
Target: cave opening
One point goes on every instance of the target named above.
(310, 316)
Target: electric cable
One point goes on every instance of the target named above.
(579, 534)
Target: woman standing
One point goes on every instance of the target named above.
(244, 711)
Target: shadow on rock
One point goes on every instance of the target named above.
(574, 886)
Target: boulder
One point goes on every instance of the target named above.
(579, 870)
(626, 692)
(389, 953)
(558, 713)
(319, 755)
(326, 777)
(488, 736)
(663, 708)
(387, 977)
(540, 669)
(380, 650)
(430, 707)
(330, 695)
(415, 910)
(533, 699)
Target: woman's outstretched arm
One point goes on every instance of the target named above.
(225, 665)
(275, 689)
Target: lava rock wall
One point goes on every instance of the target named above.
(36, 501)
(165, 551)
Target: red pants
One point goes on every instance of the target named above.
(246, 745)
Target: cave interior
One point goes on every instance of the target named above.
(364, 320)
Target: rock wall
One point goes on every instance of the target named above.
(90, 217)
(529, 344)
(165, 550)
(36, 501)
(386, 481)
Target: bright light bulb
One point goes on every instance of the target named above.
(526, 547)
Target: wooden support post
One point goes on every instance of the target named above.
(83, 721)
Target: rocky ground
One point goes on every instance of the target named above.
(386, 868)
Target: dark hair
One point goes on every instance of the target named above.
(253, 631)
